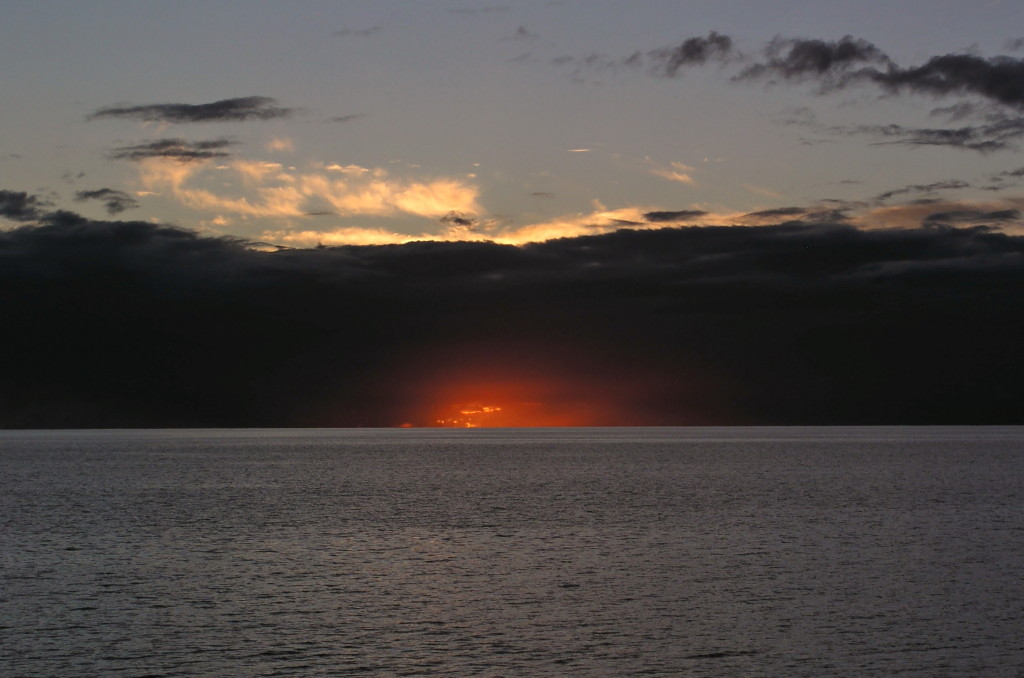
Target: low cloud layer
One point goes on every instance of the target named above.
(269, 189)
(225, 110)
(785, 323)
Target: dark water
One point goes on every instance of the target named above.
(587, 552)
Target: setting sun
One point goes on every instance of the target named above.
(527, 384)
(489, 400)
(470, 416)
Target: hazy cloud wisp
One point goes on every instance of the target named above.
(225, 110)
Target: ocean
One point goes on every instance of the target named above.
(515, 552)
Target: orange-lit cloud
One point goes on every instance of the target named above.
(253, 189)
(337, 236)
(962, 212)
(676, 171)
(593, 223)
(269, 189)
(280, 144)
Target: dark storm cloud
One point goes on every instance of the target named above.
(678, 215)
(21, 206)
(113, 200)
(181, 150)
(149, 325)
(225, 110)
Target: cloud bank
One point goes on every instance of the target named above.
(785, 323)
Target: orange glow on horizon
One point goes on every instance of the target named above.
(521, 384)
(489, 400)
(470, 416)
(514, 414)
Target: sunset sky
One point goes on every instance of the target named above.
(168, 170)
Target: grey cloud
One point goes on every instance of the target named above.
(835, 64)
(854, 62)
(225, 110)
(778, 212)
(181, 150)
(671, 216)
(954, 217)
(523, 33)
(842, 63)
(692, 52)
(999, 135)
(963, 110)
(922, 188)
(851, 61)
(113, 200)
(21, 206)
(458, 219)
(348, 118)
(832, 212)
(665, 61)
(998, 79)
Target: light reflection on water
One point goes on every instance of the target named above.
(586, 552)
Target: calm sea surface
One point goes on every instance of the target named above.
(558, 552)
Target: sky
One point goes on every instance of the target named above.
(532, 213)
